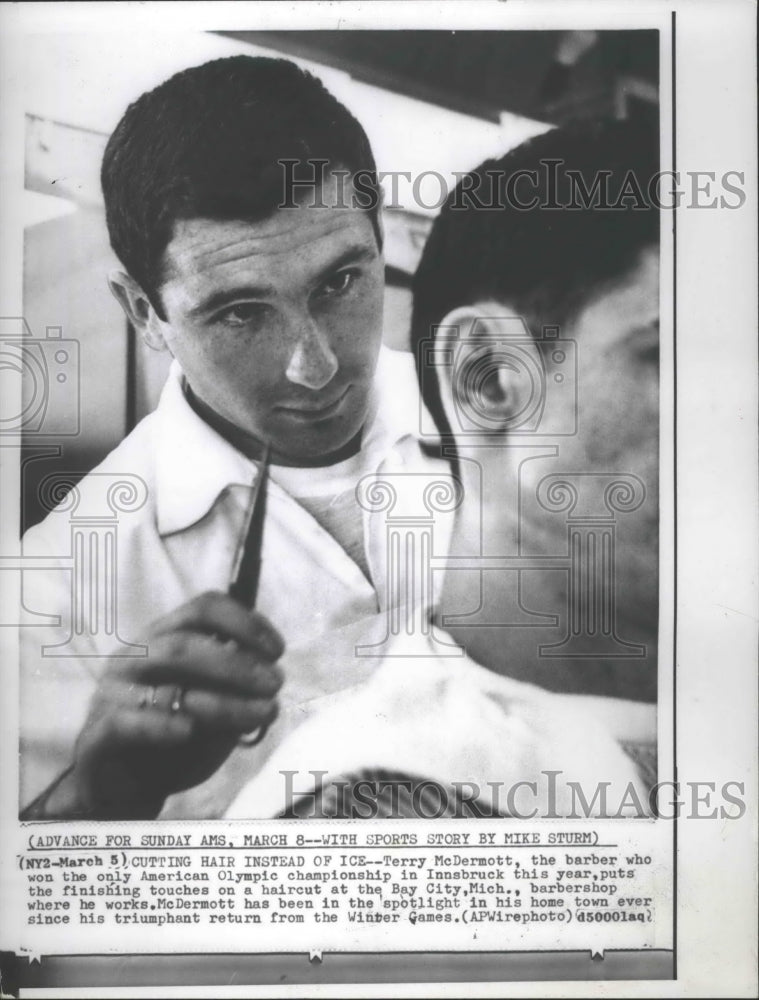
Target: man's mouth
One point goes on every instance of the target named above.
(317, 410)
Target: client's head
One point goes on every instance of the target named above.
(535, 330)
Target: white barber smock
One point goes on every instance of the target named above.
(176, 532)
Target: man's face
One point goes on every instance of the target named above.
(617, 399)
(277, 324)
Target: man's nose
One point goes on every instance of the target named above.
(313, 363)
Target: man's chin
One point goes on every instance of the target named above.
(317, 446)
(315, 440)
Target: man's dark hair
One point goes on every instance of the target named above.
(208, 143)
(592, 207)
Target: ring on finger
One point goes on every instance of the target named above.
(177, 700)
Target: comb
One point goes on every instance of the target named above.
(246, 569)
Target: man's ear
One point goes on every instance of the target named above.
(137, 309)
(489, 368)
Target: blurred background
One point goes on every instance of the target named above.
(429, 100)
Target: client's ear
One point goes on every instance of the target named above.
(379, 219)
(137, 309)
(489, 368)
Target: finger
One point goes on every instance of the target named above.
(131, 726)
(206, 666)
(219, 614)
(222, 713)
(209, 709)
(170, 697)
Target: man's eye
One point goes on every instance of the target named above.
(339, 283)
(241, 314)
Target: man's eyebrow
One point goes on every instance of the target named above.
(359, 253)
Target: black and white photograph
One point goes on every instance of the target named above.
(344, 480)
(247, 538)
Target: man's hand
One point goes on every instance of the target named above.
(166, 722)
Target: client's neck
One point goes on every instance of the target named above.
(505, 619)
